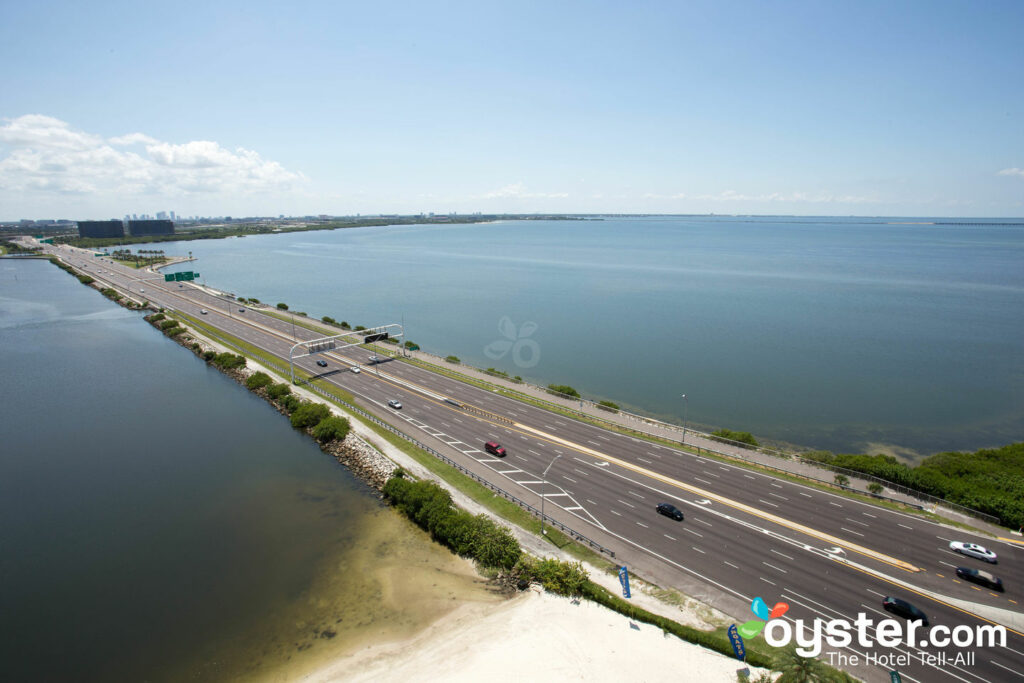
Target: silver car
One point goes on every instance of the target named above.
(973, 550)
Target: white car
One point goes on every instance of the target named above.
(397, 405)
(973, 550)
(356, 370)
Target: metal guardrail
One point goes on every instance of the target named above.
(572, 533)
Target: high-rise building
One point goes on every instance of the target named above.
(151, 227)
(111, 228)
(172, 216)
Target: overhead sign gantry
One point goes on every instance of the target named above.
(336, 342)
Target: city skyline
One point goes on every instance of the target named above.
(738, 108)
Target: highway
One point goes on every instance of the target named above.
(746, 534)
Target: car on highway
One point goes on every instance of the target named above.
(322, 363)
(902, 608)
(495, 448)
(670, 510)
(356, 370)
(142, 291)
(241, 310)
(374, 359)
(397, 405)
(203, 311)
(973, 550)
(980, 577)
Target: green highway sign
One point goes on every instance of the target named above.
(169, 277)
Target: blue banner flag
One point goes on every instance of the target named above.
(737, 643)
(624, 580)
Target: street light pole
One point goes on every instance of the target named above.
(685, 404)
(542, 496)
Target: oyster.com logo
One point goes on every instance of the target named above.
(760, 609)
(525, 351)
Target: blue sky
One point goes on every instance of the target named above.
(809, 108)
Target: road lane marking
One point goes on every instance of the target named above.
(905, 526)
(762, 500)
(834, 503)
(693, 532)
(780, 554)
(804, 494)
(711, 474)
(626, 504)
(852, 531)
(779, 569)
(643, 525)
(698, 550)
(730, 564)
(669, 537)
(766, 580)
(777, 495)
(701, 521)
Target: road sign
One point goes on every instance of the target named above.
(186, 275)
(624, 580)
(737, 643)
(370, 338)
(168, 277)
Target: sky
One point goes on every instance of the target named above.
(259, 108)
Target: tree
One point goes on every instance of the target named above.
(332, 428)
(564, 389)
(283, 306)
(876, 488)
(842, 480)
(797, 669)
(309, 414)
(258, 380)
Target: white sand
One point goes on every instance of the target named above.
(534, 637)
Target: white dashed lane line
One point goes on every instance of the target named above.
(749, 477)
(805, 495)
(701, 521)
(762, 500)
(834, 503)
(778, 569)
(669, 537)
(626, 504)
(730, 564)
(693, 532)
(698, 550)
(780, 554)
(852, 531)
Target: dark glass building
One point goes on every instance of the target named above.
(157, 227)
(100, 229)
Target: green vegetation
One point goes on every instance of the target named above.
(276, 391)
(228, 361)
(841, 480)
(431, 507)
(359, 328)
(155, 317)
(257, 380)
(9, 247)
(496, 373)
(167, 324)
(329, 320)
(453, 359)
(745, 438)
(990, 480)
(283, 306)
(610, 406)
(209, 355)
(332, 428)
(111, 294)
(876, 488)
(86, 279)
(563, 390)
(309, 414)
(345, 326)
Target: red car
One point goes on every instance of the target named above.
(494, 448)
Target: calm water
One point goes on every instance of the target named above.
(159, 523)
(845, 334)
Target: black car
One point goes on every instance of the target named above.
(670, 510)
(322, 363)
(980, 577)
(902, 608)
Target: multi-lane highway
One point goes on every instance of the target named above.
(746, 534)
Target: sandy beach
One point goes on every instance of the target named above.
(535, 636)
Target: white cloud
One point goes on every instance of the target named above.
(520, 191)
(133, 139)
(45, 156)
(1012, 171)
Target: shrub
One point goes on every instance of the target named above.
(168, 324)
(258, 380)
(609, 406)
(496, 373)
(156, 317)
(328, 319)
(332, 428)
(174, 331)
(876, 488)
(302, 313)
(345, 325)
(209, 355)
(309, 414)
(289, 403)
(276, 391)
(564, 389)
(86, 279)
(283, 307)
(453, 359)
(841, 480)
(478, 537)
(229, 361)
(744, 438)
(359, 328)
